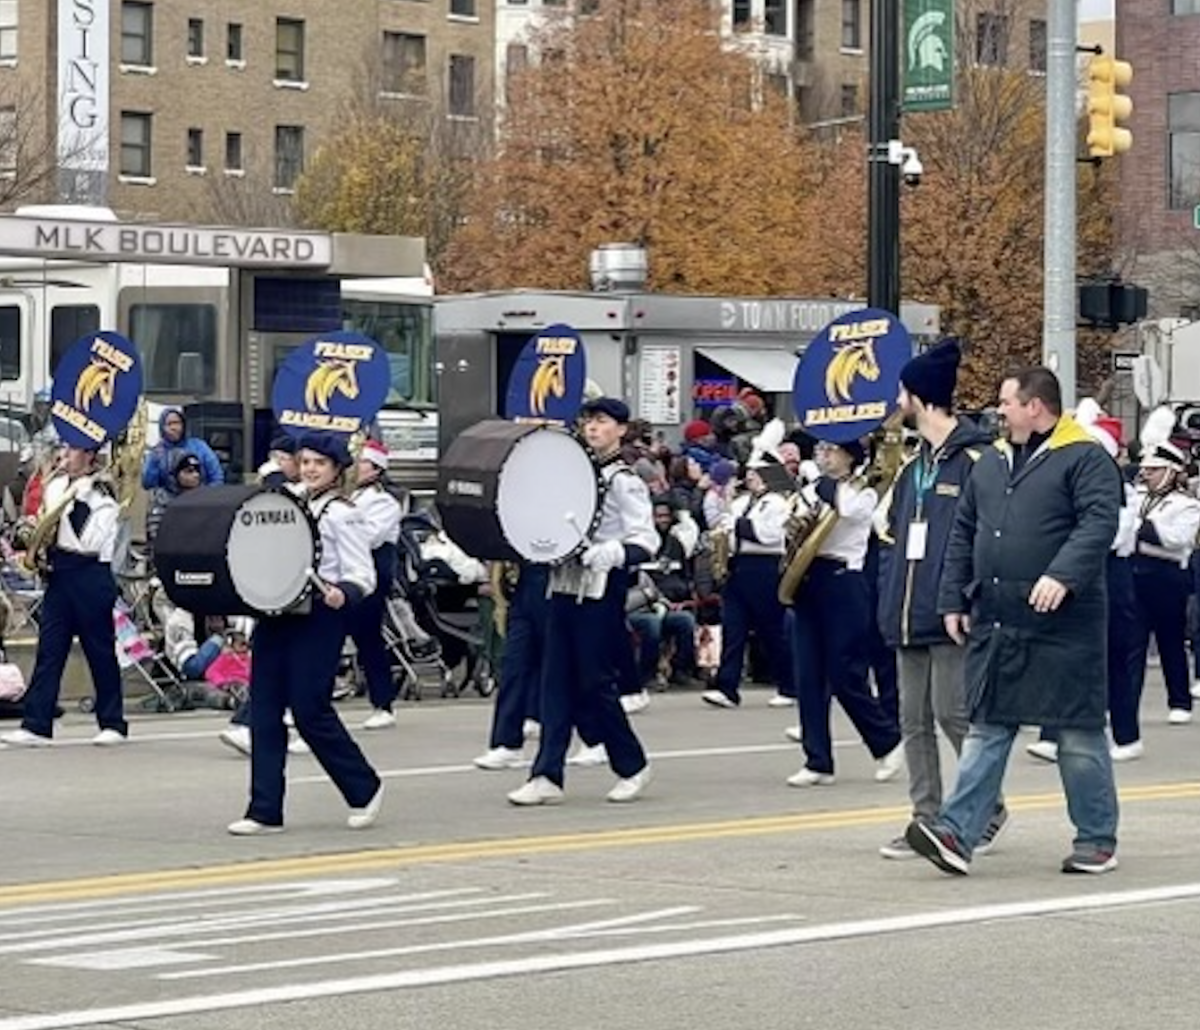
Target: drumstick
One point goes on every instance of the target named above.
(319, 583)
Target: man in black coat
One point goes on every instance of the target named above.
(1023, 590)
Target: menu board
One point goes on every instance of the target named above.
(658, 385)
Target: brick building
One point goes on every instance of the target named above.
(1160, 177)
(208, 99)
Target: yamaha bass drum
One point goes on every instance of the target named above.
(519, 491)
(237, 550)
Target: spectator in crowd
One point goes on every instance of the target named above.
(173, 440)
(700, 444)
(722, 487)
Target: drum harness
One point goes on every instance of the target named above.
(572, 577)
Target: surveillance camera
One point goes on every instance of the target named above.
(912, 169)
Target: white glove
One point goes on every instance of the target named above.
(605, 556)
(809, 471)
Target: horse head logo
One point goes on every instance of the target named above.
(98, 379)
(550, 377)
(329, 377)
(852, 361)
(926, 48)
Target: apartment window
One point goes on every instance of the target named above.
(8, 30)
(135, 144)
(849, 100)
(68, 322)
(587, 7)
(852, 24)
(404, 63)
(195, 37)
(516, 60)
(463, 8)
(233, 152)
(8, 142)
(1183, 133)
(775, 18)
(233, 42)
(1185, 6)
(289, 155)
(1037, 45)
(741, 14)
(805, 18)
(137, 33)
(289, 50)
(991, 38)
(195, 148)
(462, 85)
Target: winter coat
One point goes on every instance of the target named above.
(1056, 517)
(158, 472)
(908, 589)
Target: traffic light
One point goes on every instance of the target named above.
(1106, 106)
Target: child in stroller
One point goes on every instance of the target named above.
(435, 596)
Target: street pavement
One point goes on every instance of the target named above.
(722, 898)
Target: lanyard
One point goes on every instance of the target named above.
(925, 478)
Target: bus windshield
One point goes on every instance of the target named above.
(404, 329)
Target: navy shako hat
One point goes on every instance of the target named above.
(285, 443)
(857, 452)
(932, 376)
(613, 407)
(330, 445)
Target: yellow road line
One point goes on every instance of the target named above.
(462, 851)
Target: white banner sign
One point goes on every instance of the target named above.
(83, 63)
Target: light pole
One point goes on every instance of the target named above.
(883, 175)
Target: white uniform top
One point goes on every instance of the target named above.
(345, 544)
(768, 513)
(98, 535)
(381, 513)
(1175, 517)
(1125, 542)
(626, 514)
(847, 541)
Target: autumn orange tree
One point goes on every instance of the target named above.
(638, 124)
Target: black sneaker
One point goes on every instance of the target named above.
(939, 846)
(1092, 860)
(994, 828)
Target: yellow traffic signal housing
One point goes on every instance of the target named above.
(1106, 106)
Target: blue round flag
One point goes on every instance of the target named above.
(847, 381)
(547, 381)
(335, 382)
(97, 385)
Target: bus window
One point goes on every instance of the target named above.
(10, 342)
(68, 323)
(169, 337)
(404, 331)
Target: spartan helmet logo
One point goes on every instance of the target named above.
(926, 49)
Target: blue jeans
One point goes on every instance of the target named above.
(1084, 767)
(652, 628)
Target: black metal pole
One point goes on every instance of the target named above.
(883, 178)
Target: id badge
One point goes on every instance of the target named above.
(918, 533)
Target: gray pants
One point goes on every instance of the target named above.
(931, 695)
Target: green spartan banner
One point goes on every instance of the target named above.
(928, 58)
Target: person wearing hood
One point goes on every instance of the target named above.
(913, 523)
(158, 470)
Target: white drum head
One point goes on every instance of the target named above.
(270, 552)
(548, 496)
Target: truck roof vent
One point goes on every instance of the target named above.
(618, 268)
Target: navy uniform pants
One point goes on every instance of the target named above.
(519, 696)
(1161, 589)
(78, 603)
(365, 622)
(833, 618)
(294, 664)
(750, 602)
(579, 685)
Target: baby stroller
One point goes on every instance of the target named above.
(445, 607)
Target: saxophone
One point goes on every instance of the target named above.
(810, 522)
(722, 548)
(36, 541)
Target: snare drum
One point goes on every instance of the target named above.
(237, 550)
(517, 491)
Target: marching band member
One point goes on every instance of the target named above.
(296, 655)
(586, 623)
(1168, 519)
(832, 618)
(750, 597)
(280, 469)
(79, 599)
(382, 513)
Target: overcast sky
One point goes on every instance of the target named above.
(1090, 10)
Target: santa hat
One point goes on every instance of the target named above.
(375, 452)
(1104, 429)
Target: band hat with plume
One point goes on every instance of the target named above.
(764, 449)
(1155, 438)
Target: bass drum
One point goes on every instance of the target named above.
(237, 550)
(517, 491)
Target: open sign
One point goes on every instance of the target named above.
(711, 393)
